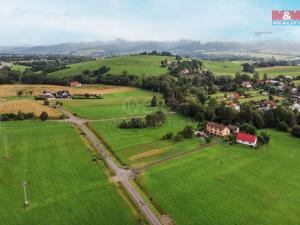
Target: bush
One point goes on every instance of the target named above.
(168, 136)
(187, 132)
(154, 101)
(46, 102)
(296, 131)
(20, 116)
(178, 137)
(283, 126)
(61, 117)
(208, 139)
(44, 116)
(248, 128)
(29, 116)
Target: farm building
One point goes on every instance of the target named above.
(246, 139)
(217, 129)
(75, 84)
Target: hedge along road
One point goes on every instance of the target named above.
(123, 175)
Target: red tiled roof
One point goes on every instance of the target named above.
(216, 125)
(236, 95)
(245, 137)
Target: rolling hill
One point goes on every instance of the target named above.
(135, 65)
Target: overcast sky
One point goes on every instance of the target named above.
(33, 22)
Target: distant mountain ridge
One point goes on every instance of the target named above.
(183, 47)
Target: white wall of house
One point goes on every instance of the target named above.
(247, 143)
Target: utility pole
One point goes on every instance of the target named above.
(26, 203)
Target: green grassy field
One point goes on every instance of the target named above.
(135, 65)
(114, 105)
(64, 185)
(138, 147)
(231, 68)
(225, 185)
(223, 68)
(20, 68)
(280, 70)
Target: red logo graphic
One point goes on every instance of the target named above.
(286, 15)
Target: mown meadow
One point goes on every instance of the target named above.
(65, 186)
(231, 184)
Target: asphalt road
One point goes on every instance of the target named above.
(123, 175)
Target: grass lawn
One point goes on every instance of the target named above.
(20, 68)
(223, 68)
(64, 185)
(225, 185)
(231, 68)
(280, 70)
(138, 147)
(135, 65)
(115, 105)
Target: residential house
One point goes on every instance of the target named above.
(271, 82)
(267, 105)
(233, 129)
(246, 139)
(296, 107)
(234, 96)
(246, 84)
(75, 84)
(47, 94)
(234, 106)
(185, 72)
(63, 94)
(217, 129)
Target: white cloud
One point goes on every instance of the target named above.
(55, 21)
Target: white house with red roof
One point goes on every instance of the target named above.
(246, 139)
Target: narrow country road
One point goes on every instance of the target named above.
(123, 175)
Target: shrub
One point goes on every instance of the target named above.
(248, 128)
(178, 137)
(154, 101)
(46, 102)
(283, 126)
(61, 117)
(168, 136)
(44, 116)
(187, 132)
(29, 116)
(296, 131)
(20, 116)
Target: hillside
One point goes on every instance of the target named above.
(135, 65)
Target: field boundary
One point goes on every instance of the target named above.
(178, 155)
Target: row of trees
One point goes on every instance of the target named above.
(22, 116)
(152, 120)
